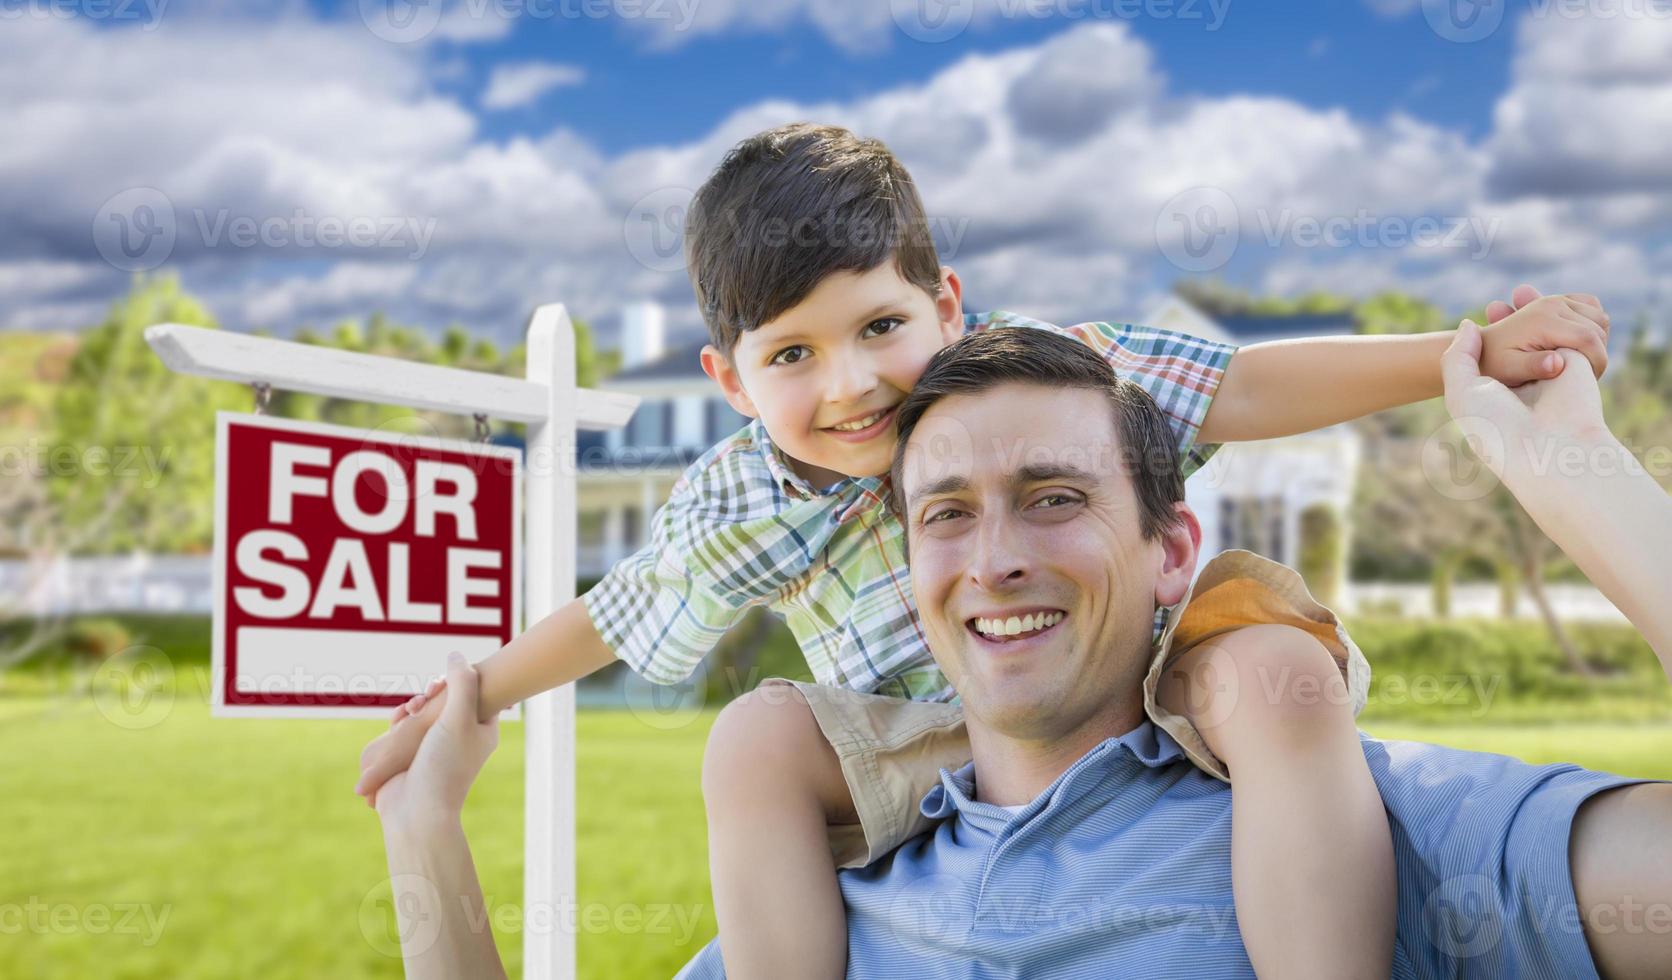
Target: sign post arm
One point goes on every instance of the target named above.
(549, 726)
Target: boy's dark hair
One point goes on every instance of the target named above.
(788, 207)
(1024, 355)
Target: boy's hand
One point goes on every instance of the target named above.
(1521, 345)
(393, 751)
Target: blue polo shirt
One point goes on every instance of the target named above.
(1122, 867)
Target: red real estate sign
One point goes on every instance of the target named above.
(348, 563)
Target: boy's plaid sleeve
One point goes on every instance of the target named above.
(659, 609)
(1181, 372)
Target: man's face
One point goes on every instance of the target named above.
(843, 357)
(1016, 504)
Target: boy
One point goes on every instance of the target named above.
(811, 261)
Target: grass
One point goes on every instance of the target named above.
(253, 857)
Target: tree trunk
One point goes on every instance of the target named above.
(1532, 569)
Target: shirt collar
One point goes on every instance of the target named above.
(785, 478)
(1147, 745)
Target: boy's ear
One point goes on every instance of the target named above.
(1181, 543)
(949, 306)
(716, 366)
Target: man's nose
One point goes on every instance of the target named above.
(854, 378)
(1001, 557)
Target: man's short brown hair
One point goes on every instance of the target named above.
(1024, 355)
(788, 207)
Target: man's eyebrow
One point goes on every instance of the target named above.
(946, 484)
(1030, 473)
(1046, 472)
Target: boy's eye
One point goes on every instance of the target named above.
(784, 356)
(887, 324)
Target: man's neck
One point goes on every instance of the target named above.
(1011, 770)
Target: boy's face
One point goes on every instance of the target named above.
(846, 355)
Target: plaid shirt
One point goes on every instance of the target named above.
(742, 529)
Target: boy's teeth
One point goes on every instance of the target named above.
(865, 422)
(1015, 625)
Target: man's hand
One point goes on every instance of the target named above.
(393, 751)
(450, 754)
(1520, 345)
(1498, 422)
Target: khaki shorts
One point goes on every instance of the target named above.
(892, 750)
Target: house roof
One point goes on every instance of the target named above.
(1252, 328)
(677, 364)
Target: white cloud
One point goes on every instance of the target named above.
(1045, 170)
(1589, 105)
(522, 84)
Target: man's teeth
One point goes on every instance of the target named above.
(863, 423)
(1015, 625)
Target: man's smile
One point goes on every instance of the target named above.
(1009, 627)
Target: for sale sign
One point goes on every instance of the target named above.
(348, 563)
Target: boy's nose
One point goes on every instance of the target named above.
(852, 382)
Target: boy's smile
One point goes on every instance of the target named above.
(826, 376)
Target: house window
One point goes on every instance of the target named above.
(722, 420)
(1253, 524)
(648, 429)
(631, 533)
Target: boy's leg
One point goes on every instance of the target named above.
(1311, 854)
(773, 785)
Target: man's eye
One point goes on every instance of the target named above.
(783, 356)
(887, 325)
(1065, 498)
(935, 518)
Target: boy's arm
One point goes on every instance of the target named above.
(1285, 387)
(561, 648)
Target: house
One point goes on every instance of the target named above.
(1250, 495)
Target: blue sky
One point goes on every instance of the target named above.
(494, 154)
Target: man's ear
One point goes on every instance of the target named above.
(949, 306)
(1181, 542)
(717, 366)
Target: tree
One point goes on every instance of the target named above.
(133, 442)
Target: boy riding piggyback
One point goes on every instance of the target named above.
(810, 256)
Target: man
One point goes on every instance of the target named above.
(1106, 852)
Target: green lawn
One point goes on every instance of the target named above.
(246, 836)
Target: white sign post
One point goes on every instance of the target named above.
(554, 408)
